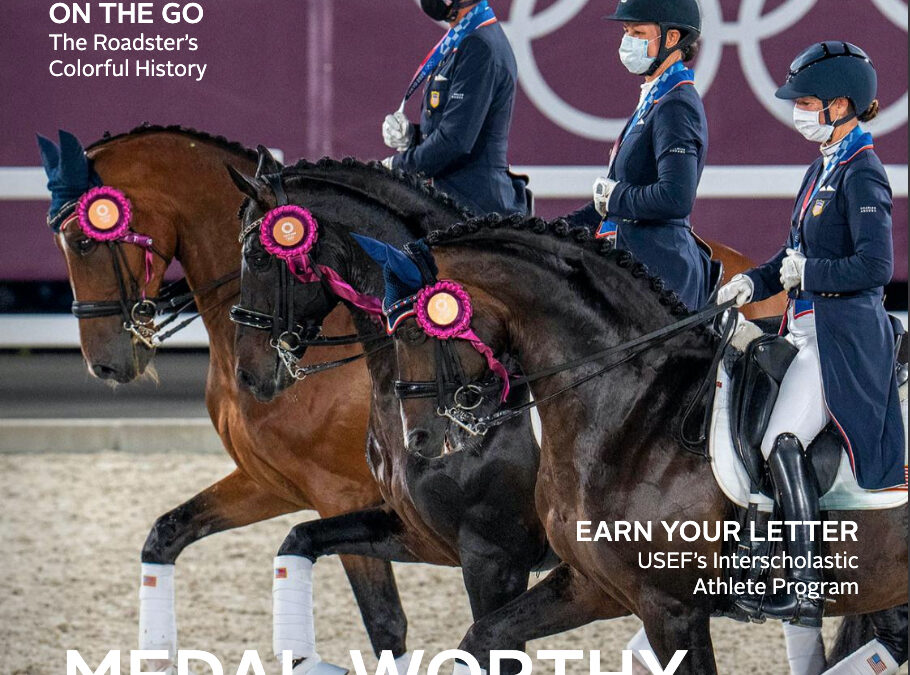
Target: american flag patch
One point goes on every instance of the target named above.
(281, 572)
(875, 662)
(150, 581)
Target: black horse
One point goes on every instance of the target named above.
(473, 508)
(612, 448)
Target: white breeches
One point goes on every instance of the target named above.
(800, 408)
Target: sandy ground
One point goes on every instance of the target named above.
(72, 528)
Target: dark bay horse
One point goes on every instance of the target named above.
(474, 508)
(611, 447)
(183, 198)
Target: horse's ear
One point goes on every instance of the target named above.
(267, 162)
(73, 162)
(247, 185)
(395, 262)
(50, 154)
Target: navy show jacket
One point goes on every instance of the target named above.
(846, 238)
(463, 135)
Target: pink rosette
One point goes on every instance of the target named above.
(274, 247)
(465, 310)
(460, 328)
(123, 222)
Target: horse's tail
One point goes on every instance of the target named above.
(857, 630)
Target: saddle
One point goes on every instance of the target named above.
(755, 377)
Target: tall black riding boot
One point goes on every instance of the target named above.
(797, 493)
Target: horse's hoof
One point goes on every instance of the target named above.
(315, 666)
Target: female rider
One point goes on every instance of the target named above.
(656, 163)
(837, 259)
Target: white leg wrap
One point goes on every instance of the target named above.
(871, 659)
(293, 628)
(639, 642)
(403, 662)
(157, 617)
(805, 649)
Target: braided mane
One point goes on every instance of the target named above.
(560, 229)
(416, 182)
(146, 128)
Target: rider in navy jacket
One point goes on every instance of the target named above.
(836, 261)
(462, 139)
(656, 165)
(846, 238)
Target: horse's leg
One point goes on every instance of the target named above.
(234, 501)
(673, 625)
(376, 592)
(492, 578)
(374, 533)
(888, 650)
(562, 601)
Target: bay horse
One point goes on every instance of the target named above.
(472, 508)
(183, 198)
(611, 447)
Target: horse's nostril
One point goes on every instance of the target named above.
(418, 439)
(245, 379)
(103, 372)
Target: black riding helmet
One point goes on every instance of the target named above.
(830, 70)
(683, 15)
(444, 10)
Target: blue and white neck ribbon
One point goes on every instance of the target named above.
(851, 145)
(480, 15)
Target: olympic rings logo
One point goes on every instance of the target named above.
(751, 26)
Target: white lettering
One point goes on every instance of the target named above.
(387, 664)
(559, 657)
(110, 664)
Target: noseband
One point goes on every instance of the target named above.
(289, 232)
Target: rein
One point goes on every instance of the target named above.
(288, 233)
(478, 426)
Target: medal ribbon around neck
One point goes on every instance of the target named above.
(480, 15)
(289, 232)
(850, 145)
(104, 214)
(674, 76)
(444, 312)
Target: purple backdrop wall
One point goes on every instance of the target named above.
(317, 76)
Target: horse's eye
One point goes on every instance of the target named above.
(412, 335)
(84, 245)
(258, 259)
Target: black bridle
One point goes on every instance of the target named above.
(288, 338)
(457, 396)
(138, 311)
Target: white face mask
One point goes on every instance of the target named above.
(633, 52)
(806, 123)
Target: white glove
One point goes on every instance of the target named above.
(791, 269)
(387, 162)
(603, 188)
(739, 287)
(397, 131)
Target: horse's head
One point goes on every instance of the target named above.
(447, 336)
(117, 242)
(292, 276)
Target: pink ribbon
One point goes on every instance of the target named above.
(300, 267)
